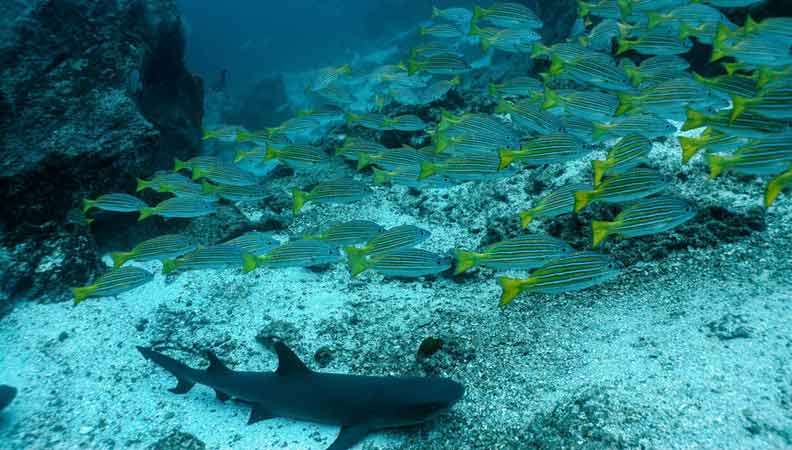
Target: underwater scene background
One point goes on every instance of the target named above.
(502, 225)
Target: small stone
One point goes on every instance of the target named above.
(323, 356)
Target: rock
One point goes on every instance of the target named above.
(591, 420)
(557, 17)
(93, 93)
(728, 327)
(278, 330)
(323, 356)
(178, 440)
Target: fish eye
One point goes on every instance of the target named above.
(610, 266)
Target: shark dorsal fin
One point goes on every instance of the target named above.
(215, 365)
(288, 362)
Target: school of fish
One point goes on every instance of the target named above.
(592, 94)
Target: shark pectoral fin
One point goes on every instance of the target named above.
(258, 413)
(222, 396)
(288, 362)
(349, 436)
(182, 387)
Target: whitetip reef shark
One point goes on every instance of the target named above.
(358, 404)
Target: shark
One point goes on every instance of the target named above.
(359, 404)
(7, 394)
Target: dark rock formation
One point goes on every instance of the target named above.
(93, 93)
(558, 17)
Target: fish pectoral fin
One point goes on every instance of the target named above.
(222, 396)
(349, 436)
(259, 413)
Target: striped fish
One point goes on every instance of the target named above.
(647, 216)
(748, 124)
(558, 202)
(655, 70)
(508, 15)
(511, 40)
(580, 127)
(164, 178)
(730, 85)
(234, 193)
(223, 134)
(591, 105)
(606, 9)
(475, 142)
(470, 166)
(711, 141)
(325, 115)
(516, 87)
(642, 7)
(295, 254)
(776, 185)
(168, 246)
(772, 101)
(204, 163)
(692, 15)
(600, 38)
(778, 27)
(767, 156)
(647, 125)
(403, 263)
(523, 252)
(757, 50)
(327, 76)
(337, 94)
(340, 191)
(408, 176)
(389, 240)
(594, 71)
(577, 271)
(441, 30)
(406, 122)
(565, 51)
(655, 42)
(633, 185)
(527, 114)
(218, 256)
(299, 156)
(372, 121)
(116, 202)
(442, 64)
(629, 152)
(433, 48)
(548, 149)
(179, 207)
(224, 173)
(666, 99)
(439, 89)
(348, 233)
(294, 127)
(112, 283)
(459, 16)
(353, 146)
(392, 158)
(254, 242)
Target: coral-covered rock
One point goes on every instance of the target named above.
(93, 93)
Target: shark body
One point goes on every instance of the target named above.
(358, 404)
(7, 394)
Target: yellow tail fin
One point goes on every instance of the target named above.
(88, 204)
(582, 199)
(169, 266)
(478, 13)
(717, 165)
(551, 98)
(364, 159)
(299, 199)
(717, 51)
(81, 293)
(625, 7)
(250, 262)
(142, 184)
(435, 11)
(750, 25)
(695, 119)
(624, 45)
(119, 258)
(526, 217)
(506, 158)
(413, 67)
(739, 105)
(600, 130)
(775, 187)
(583, 9)
(654, 19)
(442, 141)
(511, 288)
(272, 153)
(539, 49)
(556, 66)
(380, 176)
(626, 103)
(600, 230)
(486, 43)
(690, 146)
(356, 258)
(145, 213)
(178, 165)
(600, 167)
(198, 173)
(465, 261)
(240, 155)
(427, 170)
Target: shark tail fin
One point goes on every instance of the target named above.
(183, 385)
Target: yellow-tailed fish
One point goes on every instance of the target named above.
(219, 256)
(348, 233)
(168, 246)
(116, 202)
(776, 186)
(235, 193)
(523, 252)
(647, 216)
(629, 152)
(551, 148)
(254, 242)
(632, 185)
(339, 191)
(767, 156)
(179, 207)
(559, 201)
(404, 263)
(294, 254)
(112, 283)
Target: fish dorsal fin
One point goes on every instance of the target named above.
(215, 365)
(288, 363)
(349, 436)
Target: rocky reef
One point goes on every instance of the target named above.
(93, 93)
